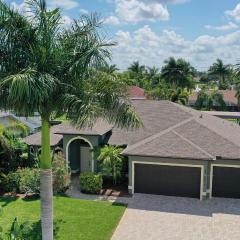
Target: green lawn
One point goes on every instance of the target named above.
(74, 219)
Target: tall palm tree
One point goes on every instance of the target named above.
(178, 73)
(137, 68)
(110, 69)
(54, 71)
(220, 70)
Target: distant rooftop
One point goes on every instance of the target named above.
(136, 93)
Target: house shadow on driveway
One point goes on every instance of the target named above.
(188, 206)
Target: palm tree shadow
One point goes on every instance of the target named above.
(35, 231)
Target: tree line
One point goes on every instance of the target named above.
(178, 78)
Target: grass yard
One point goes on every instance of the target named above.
(74, 218)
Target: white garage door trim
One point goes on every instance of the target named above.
(169, 164)
(211, 174)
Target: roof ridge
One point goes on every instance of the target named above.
(152, 137)
(193, 144)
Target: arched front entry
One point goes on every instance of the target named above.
(79, 155)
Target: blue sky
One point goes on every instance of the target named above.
(152, 30)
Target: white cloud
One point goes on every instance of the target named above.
(225, 27)
(134, 11)
(83, 11)
(150, 48)
(235, 13)
(112, 20)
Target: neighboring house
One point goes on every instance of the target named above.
(178, 152)
(229, 97)
(135, 92)
(33, 123)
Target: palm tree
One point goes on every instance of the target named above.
(54, 71)
(111, 161)
(222, 71)
(110, 69)
(178, 73)
(137, 72)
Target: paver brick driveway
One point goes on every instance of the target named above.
(151, 217)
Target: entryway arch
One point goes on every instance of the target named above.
(80, 155)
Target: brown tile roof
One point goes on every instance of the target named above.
(229, 97)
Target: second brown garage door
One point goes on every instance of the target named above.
(167, 180)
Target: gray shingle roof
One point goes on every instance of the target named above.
(170, 130)
(192, 135)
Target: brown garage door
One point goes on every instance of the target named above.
(167, 180)
(226, 182)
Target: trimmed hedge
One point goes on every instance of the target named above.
(91, 183)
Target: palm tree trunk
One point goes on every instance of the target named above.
(46, 191)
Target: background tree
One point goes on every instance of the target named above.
(222, 72)
(178, 73)
(137, 72)
(210, 101)
(43, 65)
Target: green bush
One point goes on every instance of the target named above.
(10, 182)
(25, 180)
(29, 180)
(91, 183)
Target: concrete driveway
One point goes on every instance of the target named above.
(151, 217)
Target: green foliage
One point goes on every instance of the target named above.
(91, 183)
(13, 152)
(18, 129)
(27, 180)
(24, 181)
(210, 101)
(61, 175)
(111, 161)
(178, 73)
(19, 231)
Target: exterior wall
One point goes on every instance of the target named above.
(94, 140)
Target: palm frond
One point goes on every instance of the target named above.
(26, 91)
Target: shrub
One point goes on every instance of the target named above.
(10, 182)
(29, 180)
(61, 175)
(91, 183)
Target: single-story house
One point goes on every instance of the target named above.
(229, 97)
(178, 152)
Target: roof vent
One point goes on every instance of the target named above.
(201, 116)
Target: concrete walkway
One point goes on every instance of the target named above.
(150, 217)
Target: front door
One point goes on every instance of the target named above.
(86, 159)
